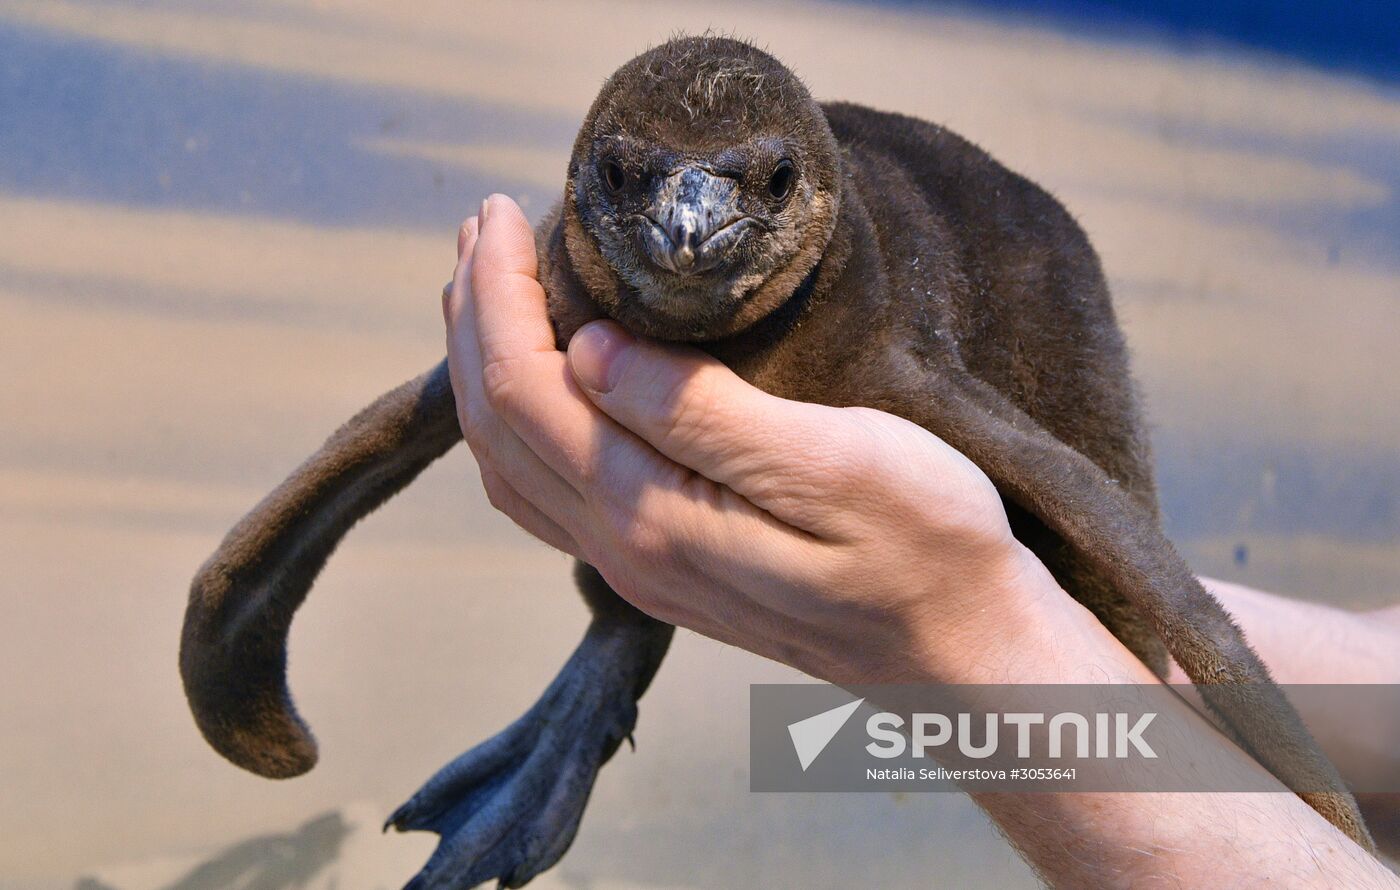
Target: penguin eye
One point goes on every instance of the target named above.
(614, 177)
(780, 182)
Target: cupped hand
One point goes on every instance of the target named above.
(846, 542)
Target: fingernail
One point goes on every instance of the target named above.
(465, 233)
(598, 354)
(485, 206)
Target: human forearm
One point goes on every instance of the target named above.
(1307, 642)
(1180, 839)
(1311, 643)
(1141, 839)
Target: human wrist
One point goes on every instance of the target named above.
(1014, 624)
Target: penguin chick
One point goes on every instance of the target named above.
(827, 253)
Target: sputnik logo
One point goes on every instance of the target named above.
(811, 736)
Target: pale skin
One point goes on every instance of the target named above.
(849, 544)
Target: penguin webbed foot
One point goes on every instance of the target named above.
(509, 808)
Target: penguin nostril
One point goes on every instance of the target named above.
(684, 235)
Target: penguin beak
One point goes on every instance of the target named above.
(695, 219)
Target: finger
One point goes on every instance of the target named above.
(667, 521)
(507, 500)
(512, 321)
(494, 444)
(727, 615)
(466, 236)
(701, 415)
(465, 248)
(462, 352)
(507, 457)
(466, 245)
(519, 373)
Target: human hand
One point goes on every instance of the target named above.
(846, 542)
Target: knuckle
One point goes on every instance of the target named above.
(859, 470)
(498, 494)
(689, 407)
(660, 609)
(484, 268)
(641, 540)
(866, 452)
(585, 469)
(610, 471)
(635, 593)
(476, 424)
(844, 568)
(633, 538)
(833, 467)
(626, 583)
(652, 601)
(641, 520)
(605, 560)
(498, 381)
(493, 269)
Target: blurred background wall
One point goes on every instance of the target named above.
(224, 226)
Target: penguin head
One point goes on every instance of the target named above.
(706, 180)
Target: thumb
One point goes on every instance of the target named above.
(696, 411)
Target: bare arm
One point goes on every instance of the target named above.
(1179, 839)
(1307, 642)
